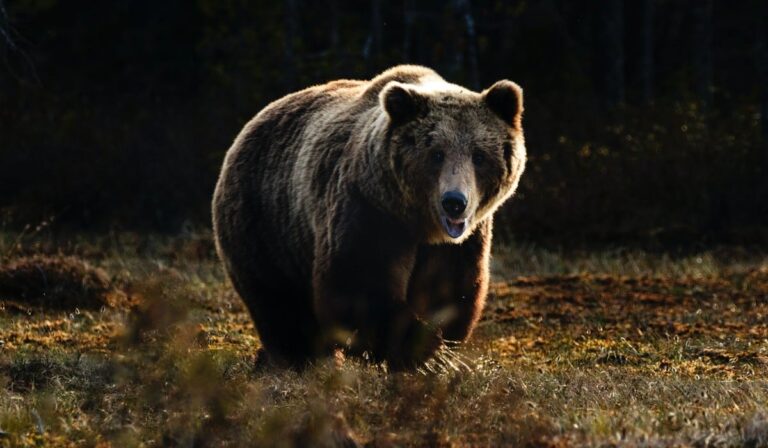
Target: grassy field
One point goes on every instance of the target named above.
(124, 340)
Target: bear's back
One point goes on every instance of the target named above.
(406, 74)
(282, 162)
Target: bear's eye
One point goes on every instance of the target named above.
(437, 156)
(478, 158)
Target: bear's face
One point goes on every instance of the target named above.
(456, 155)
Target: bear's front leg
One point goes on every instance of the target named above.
(450, 282)
(363, 261)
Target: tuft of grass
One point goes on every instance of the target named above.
(54, 282)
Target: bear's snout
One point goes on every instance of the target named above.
(454, 203)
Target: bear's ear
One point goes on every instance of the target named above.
(505, 99)
(401, 102)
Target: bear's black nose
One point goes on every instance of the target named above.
(454, 203)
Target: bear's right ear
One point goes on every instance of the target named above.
(401, 103)
(505, 99)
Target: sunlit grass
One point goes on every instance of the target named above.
(575, 349)
(527, 259)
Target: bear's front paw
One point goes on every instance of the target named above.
(418, 343)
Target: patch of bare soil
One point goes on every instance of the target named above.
(635, 321)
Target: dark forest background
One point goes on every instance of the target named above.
(646, 121)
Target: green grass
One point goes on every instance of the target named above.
(608, 348)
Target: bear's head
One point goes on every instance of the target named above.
(455, 154)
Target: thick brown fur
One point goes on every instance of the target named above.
(327, 213)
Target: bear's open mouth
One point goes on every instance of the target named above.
(454, 227)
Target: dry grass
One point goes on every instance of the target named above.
(611, 349)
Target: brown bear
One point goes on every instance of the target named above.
(358, 214)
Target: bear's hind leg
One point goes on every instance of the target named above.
(288, 330)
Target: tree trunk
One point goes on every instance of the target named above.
(762, 64)
(376, 28)
(290, 31)
(702, 50)
(646, 52)
(335, 55)
(373, 45)
(5, 28)
(407, 30)
(610, 51)
(761, 55)
(464, 9)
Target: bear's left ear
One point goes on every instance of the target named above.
(401, 102)
(505, 99)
